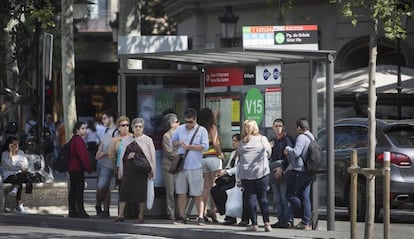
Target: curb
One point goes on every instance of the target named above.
(156, 227)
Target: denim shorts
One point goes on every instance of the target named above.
(104, 177)
(211, 163)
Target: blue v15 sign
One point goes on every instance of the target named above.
(268, 75)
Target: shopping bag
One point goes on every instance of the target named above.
(234, 203)
(150, 193)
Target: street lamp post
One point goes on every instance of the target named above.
(228, 23)
(399, 85)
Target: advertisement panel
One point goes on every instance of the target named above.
(268, 74)
(224, 76)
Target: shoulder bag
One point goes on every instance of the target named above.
(177, 164)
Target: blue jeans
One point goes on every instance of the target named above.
(104, 177)
(298, 193)
(255, 190)
(281, 202)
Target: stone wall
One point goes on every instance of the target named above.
(43, 195)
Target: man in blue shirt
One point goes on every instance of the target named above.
(190, 179)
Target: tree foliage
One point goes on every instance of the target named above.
(21, 22)
(388, 13)
(154, 21)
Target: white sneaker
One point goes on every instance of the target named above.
(13, 192)
(20, 209)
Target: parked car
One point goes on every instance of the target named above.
(395, 136)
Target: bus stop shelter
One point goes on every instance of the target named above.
(315, 87)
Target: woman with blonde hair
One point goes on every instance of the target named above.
(252, 172)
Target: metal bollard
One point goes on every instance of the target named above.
(386, 196)
(1, 196)
(353, 195)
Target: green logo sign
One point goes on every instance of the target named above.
(254, 106)
(164, 100)
(279, 38)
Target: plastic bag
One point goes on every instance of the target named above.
(150, 193)
(234, 203)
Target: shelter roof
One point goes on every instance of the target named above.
(233, 56)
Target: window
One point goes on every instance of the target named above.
(348, 137)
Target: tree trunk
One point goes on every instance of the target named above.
(68, 68)
(372, 98)
(12, 70)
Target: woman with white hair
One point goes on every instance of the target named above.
(138, 166)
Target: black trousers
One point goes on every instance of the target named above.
(18, 180)
(76, 189)
(219, 195)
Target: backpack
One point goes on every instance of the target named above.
(62, 161)
(313, 161)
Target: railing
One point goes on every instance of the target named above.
(97, 22)
(354, 170)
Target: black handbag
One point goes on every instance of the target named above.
(141, 165)
(177, 164)
(225, 180)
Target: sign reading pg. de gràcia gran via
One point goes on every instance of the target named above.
(298, 37)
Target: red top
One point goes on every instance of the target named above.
(79, 156)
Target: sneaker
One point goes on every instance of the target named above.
(13, 192)
(267, 227)
(230, 221)
(302, 226)
(104, 214)
(243, 223)
(20, 209)
(253, 228)
(180, 221)
(201, 221)
(282, 225)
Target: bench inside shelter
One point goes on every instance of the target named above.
(44, 193)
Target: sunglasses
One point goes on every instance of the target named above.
(124, 125)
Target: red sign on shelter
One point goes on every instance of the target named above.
(224, 76)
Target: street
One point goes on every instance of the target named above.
(15, 232)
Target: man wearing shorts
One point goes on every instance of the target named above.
(104, 165)
(190, 179)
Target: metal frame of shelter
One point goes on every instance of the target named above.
(245, 56)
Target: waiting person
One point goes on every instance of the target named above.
(253, 172)
(92, 141)
(299, 181)
(104, 165)
(212, 160)
(226, 179)
(118, 143)
(190, 179)
(169, 153)
(138, 166)
(278, 166)
(51, 150)
(78, 164)
(13, 169)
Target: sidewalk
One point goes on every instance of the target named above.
(56, 217)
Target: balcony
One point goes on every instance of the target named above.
(97, 22)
